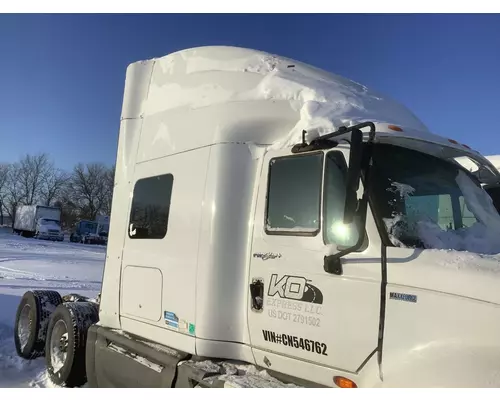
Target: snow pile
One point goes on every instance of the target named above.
(323, 101)
(482, 237)
(396, 227)
(239, 375)
(27, 264)
(478, 202)
(470, 261)
(477, 238)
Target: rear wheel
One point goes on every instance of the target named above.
(66, 340)
(32, 319)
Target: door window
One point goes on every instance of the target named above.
(294, 196)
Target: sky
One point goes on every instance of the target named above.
(62, 76)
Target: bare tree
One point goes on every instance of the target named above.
(82, 194)
(52, 185)
(4, 174)
(109, 185)
(34, 172)
(69, 211)
(13, 191)
(88, 189)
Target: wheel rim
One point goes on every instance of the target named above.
(24, 326)
(58, 345)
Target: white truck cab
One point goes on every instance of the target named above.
(269, 213)
(48, 228)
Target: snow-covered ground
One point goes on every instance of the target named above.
(27, 264)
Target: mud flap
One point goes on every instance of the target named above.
(117, 360)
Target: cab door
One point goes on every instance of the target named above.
(300, 316)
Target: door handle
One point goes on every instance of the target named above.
(257, 294)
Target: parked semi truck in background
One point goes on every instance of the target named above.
(38, 221)
(89, 232)
(277, 225)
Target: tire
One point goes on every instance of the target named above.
(66, 340)
(32, 320)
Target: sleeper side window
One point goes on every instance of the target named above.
(294, 195)
(150, 207)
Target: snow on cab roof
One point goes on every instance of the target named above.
(217, 94)
(203, 77)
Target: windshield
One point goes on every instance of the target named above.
(426, 202)
(50, 222)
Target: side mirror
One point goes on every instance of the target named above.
(353, 176)
(354, 208)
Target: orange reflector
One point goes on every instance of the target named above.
(395, 128)
(452, 141)
(344, 383)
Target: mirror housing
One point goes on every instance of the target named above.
(354, 209)
(353, 176)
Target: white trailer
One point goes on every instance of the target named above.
(269, 216)
(103, 227)
(38, 221)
